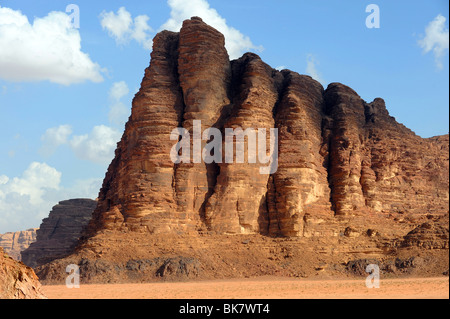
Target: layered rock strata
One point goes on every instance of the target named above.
(18, 281)
(59, 232)
(14, 243)
(349, 184)
(338, 156)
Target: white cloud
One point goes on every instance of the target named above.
(141, 30)
(22, 198)
(54, 137)
(280, 68)
(97, 146)
(436, 39)
(235, 42)
(118, 25)
(35, 180)
(118, 114)
(311, 69)
(118, 90)
(122, 28)
(49, 49)
(3, 179)
(118, 111)
(26, 200)
(86, 188)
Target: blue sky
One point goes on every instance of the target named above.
(65, 92)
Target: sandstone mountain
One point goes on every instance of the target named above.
(59, 233)
(14, 243)
(17, 281)
(352, 183)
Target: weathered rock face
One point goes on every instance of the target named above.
(138, 186)
(17, 281)
(339, 157)
(378, 163)
(59, 233)
(14, 243)
(433, 234)
(205, 75)
(299, 190)
(351, 185)
(238, 204)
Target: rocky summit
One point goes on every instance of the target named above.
(351, 185)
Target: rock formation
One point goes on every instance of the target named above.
(17, 281)
(59, 233)
(338, 155)
(14, 243)
(349, 175)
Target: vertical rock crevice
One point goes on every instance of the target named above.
(205, 75)
(254, 99)
(346, 109)
(301, 180)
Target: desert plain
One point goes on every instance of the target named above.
(260, 288)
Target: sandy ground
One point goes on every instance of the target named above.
(260, 288)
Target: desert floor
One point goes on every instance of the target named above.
(260, 288)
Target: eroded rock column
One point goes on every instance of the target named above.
(138, 188)
(205, 75)
(300, 185)
(239, 203)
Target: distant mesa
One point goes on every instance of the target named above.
(13, 243)
(59, 232)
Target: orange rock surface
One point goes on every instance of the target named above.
(352, 183)
(18, 281)
(15, 242)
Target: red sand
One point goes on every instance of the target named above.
(260, 288)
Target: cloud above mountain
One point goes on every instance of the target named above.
(52, 41)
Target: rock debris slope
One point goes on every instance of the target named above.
(350, 177)
(18, 281)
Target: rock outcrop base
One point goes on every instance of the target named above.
(17, 281)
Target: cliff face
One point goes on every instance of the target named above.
(377, 163)
(338, 155)
(59, 233)
(350, 181)
(14, 243)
